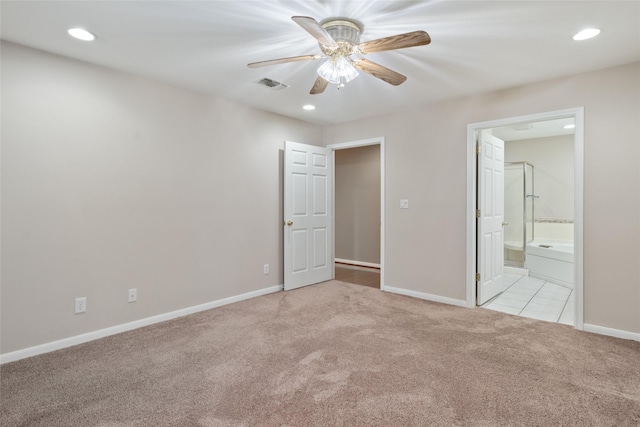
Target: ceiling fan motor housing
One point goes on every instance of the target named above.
(345, 32)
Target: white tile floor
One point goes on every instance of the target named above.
(534, 298)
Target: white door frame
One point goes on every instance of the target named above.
(354, 144)
(578, 148)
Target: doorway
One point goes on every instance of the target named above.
(358, 212)
(537, 221)
(475, 254)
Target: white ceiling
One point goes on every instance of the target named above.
(477, 46)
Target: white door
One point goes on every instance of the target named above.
(491, 207)
(307, 215)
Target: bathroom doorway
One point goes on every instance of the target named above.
(558, 220)
(538, 221)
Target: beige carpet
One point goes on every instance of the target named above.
(332, 354)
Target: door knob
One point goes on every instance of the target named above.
(289, 223)
(505, 223)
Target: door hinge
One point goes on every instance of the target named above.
(478, 149)
(478, 213)
(477, 277)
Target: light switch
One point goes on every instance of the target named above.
(404, 203)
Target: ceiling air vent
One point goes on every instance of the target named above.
(522, 126)
(272, 84)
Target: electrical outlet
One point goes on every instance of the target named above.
(133, 295)
(265, 269)
(81, 305)
(404, 203)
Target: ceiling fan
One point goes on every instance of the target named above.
(339, 40)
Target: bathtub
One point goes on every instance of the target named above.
(551, 261)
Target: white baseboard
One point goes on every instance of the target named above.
(428, 297)
(101, 333)
(358, 263)
(91, 336)
(618, 333)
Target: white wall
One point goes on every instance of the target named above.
(111, 182)
(357, 204)
(426, 162)
(552, 160)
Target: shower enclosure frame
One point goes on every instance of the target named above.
(525, 196)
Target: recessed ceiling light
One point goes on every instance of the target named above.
(569, 126)
(586, 34)
(309, 107)
(81, 34)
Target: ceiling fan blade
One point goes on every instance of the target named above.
(312, 26)
(319, 86)
(283, 60)
(378, 71)
(399, 41)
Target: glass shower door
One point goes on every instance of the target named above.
(529, 203)
(514, 214)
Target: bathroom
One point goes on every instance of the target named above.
(538, 221)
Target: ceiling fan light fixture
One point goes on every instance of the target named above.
(337, 70)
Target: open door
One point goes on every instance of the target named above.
(308, 231)
(490, 218)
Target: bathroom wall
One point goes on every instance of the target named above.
(552, 159)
